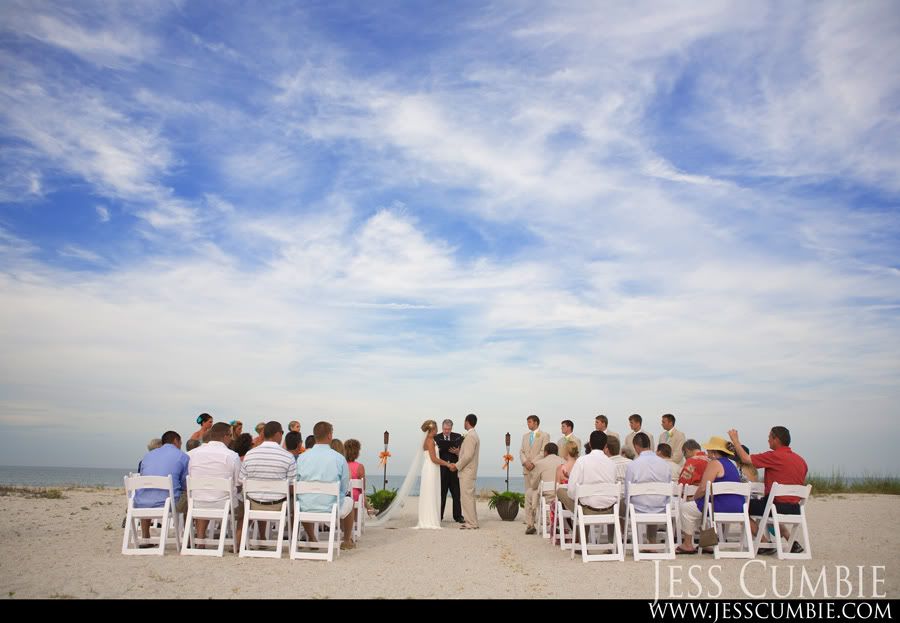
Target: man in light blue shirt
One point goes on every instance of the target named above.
(647, 467)
(322, 464)
(166, 460)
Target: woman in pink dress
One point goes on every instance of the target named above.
(352, 448)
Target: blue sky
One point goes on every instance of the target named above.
(385, 213)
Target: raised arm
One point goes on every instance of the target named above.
(743, 456)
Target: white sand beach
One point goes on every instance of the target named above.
(71, 548)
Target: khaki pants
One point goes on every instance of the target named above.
(569, 504)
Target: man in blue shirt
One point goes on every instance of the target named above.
(166, 460)
(322, 464)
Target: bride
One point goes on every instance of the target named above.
(429, 470)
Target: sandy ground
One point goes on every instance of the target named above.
(71, 548)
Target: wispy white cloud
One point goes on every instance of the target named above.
(102, 213)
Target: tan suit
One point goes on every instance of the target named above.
(544, 470)
(533, 452)
(629, 440)
(675, 438)
(467, 466)
(562, 443)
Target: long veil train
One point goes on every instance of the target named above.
(415, 468)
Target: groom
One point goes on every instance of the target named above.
(448, 446)
(467, 466)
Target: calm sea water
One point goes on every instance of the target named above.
(94, 477)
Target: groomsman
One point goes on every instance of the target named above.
(634, 423)
(567, 426)
(533, 443)
(601, 422)
(448, 444)
(675, 438)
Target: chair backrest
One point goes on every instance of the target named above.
(133, 483)
(324, 488)
(265, 486)
(604, 488)
(730, 488)
(357, 483)
(688, 491)
(757, 489)
(677, 488)
(208, 483)
(547, 486)
(651, 488)
(798, 491)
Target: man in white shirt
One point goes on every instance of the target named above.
(635, 422)
(647, 467)
(675, 438)
(590, 469)
(215, 460)
(612, 451)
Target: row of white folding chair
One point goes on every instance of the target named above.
(169, 519)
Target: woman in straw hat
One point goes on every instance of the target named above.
(719, 469)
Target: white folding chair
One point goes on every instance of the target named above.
(743, 547)
(688, 491)
(251, 487)
(359, 507)
(330, 518)
(166, 515)
(560, 519)
(757, 489)
(583, 520)
(635, 520)
(219, 512)
(547, 486)
(771, 516)
(677, 492)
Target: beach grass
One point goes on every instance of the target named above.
(33, 492)
(868, 483)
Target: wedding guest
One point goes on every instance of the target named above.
(646, 467)
(310, 442)
(544, 470)
(259, 434)
(166, 460)
(783, 466)
(613, 451)
(322, 464)
(720, 468)
(592, 468)
(338, 446)
(570, 454)
(268, 461)
(748, 472)
(293, 443)
(237, 428)
(214, 459)
(694, 464)
(664, 451)
(294, 426)
(205, 420)
(154, 444)
(352, 449)
(191, 444)
(242, 445)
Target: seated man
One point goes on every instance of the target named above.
(647, 467)
(544, 471)
(293, 443)
(593, 468)
(322, 464)
(268, 461)
(166, 460)
(612, 450)
(664, 451)
(783, 466)
(694, 464)
(215, 460)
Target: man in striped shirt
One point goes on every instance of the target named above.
(268, 461)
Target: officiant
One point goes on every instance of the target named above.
(448, 444)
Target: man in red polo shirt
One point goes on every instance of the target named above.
(782, 465)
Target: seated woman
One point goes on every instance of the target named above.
(570, 453)
(243, 444)
(719, 469)
(259, 434)
(205, 420)
(237, 428)
(357, 470)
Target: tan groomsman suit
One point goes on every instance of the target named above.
(544, 470)
(629, 440)
(533, 452)
(467, 467)
(675, 438)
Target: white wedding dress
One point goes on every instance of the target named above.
(429, 495)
